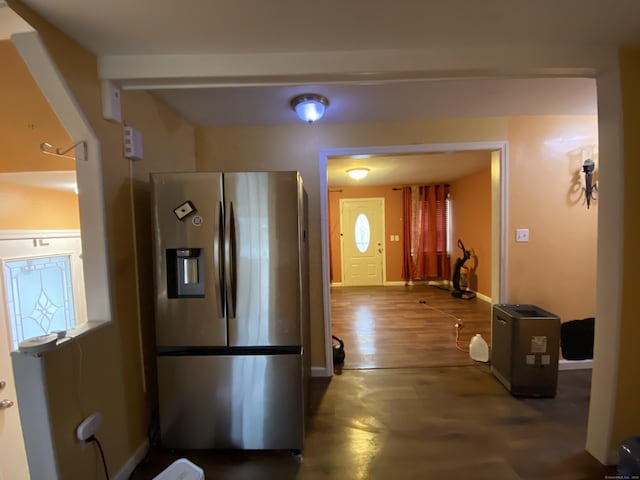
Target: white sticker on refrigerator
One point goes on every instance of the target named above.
(538, 344)
(184, 210)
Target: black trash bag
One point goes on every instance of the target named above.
(338, 350)
(576, 339)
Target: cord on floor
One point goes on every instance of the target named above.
(458, 327)
(458, 324)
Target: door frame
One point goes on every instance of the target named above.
(383, 269)
(499, 217)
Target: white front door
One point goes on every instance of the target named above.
(39, 273)
(362, 226)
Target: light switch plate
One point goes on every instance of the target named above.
(522, 235)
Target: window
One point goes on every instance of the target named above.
(362, 233)
(43, 283)
(39, 296)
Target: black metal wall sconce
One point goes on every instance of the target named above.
(590, 187)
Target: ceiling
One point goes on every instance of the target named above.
(408, 169)
(124, 27)
(255, 26)
(387, 102)
(128, 28)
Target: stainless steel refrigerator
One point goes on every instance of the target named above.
(232, 309)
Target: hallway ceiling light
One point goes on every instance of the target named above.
(309, 106)
(358, 173)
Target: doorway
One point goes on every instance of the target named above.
(406, 323)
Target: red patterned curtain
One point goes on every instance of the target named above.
(425, 228)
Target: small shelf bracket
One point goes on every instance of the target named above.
(79, 149)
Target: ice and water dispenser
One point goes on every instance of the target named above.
(185, 272)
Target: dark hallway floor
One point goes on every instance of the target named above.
(421, 423)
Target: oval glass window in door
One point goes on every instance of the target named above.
(362, 233)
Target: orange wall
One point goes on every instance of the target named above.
(28, 208)
(392, 226)
(471, 222)
(556, 269)
(26, 120)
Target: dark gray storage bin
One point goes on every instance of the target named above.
(525, 349)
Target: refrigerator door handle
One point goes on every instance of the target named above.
(230, 261)
(218, 261)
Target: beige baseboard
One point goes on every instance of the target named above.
(483, 297)
(575, 364)
(127, 469)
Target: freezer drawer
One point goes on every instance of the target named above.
(239, 402)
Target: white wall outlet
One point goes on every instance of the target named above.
(111, 101)
(89, 426)
(522, 235)
(132, 143)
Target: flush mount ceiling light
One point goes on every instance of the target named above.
(309, 106)
(358, 173)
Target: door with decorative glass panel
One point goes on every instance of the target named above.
(362, 227)
(42, 291)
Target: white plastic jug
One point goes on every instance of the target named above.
(478, 349)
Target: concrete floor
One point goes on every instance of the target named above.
(421, 423)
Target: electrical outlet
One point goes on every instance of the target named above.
(522, 235)
(89, 426)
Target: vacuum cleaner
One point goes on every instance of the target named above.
(461, 276)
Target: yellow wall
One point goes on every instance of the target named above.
(556, 269)
(392, 226)
(471, 223)
(626, 419)
(102, 371)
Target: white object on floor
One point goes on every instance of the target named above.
(478, 349)
(181, 469)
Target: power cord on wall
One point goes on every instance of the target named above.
(132, 203)
(93, 438)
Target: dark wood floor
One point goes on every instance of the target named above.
(440, 416)
(425, 423)
(399, 327)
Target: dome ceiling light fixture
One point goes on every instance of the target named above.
(358, 173)
(309, 107)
